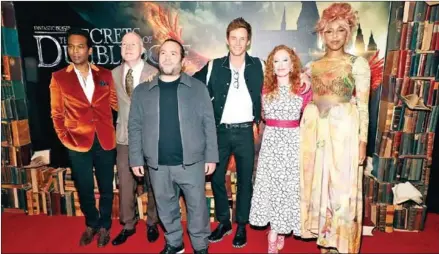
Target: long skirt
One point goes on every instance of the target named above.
(331, 180)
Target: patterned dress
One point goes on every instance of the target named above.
(330, 132)
(276, 194)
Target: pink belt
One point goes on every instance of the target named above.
(282, 123)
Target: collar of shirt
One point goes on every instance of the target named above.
(78, 72)
(83, 81)
(240, 70)
(137, 69)
(87, 85)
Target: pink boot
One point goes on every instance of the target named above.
(280, 242)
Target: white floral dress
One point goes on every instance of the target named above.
(276, 194)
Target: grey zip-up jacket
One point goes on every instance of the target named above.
(197, 123)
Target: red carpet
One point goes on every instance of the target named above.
(60, 234)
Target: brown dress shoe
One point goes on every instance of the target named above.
(104, 237)
(87, 236)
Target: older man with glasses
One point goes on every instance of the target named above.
(132, 72)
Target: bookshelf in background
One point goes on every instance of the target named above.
(407, 118)
(15, 136)
(51, 191)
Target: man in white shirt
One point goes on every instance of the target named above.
(127, 76)
(235, 85)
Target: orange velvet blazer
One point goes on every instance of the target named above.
(75, 119)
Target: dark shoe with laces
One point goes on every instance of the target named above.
(172, 250)
(152, 233)
(240, 239)
(88, 236)
(123, 236)
(219, 233)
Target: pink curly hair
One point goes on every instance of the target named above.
(338, 11)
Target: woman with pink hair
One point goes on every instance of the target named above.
(333, 138)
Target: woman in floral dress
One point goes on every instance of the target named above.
(276, 195)
(333, 138)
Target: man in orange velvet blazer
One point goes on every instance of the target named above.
(82, 97)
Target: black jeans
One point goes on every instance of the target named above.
(82, 164)
(240, 142)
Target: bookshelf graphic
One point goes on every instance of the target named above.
(407, 119)
(16, 148)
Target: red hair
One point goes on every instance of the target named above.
(338, 11)
(271, 87)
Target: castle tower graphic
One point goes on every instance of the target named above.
(360, 46)
(283, 24)
(372, 46)
(359, 41)
(303, 40)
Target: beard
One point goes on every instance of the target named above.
(167, 70)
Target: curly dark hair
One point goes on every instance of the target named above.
(271, 87)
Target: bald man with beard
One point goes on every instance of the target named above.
(132, 72)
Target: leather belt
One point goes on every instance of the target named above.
(236, 125)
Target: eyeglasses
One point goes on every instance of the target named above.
(236, 79)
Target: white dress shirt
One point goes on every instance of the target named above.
(88, 85)
(137, 72)
(239, 106)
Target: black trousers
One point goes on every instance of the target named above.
(82, 164)
(240, 142)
